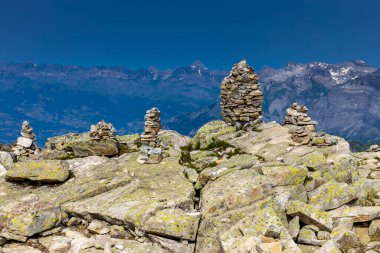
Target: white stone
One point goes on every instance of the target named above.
(99, 227)
(2, 170)
(5, 158)
(24, 142)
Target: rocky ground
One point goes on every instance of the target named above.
(224, 190)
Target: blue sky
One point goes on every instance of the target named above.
(166, 34)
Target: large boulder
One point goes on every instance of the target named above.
(246, 234)
(238, 162)
(172, 139)
(26, 223)
(6, 158)
(374, 230)
(310, 215)
(159, 200)
(357, 213)
(81, 145)
(47, 171)
(331, 195)
(285, 175)
(269, 142)
(207, 134)
(26, 210)
(128, 143)
(239, 189)
(202, 159)
(176, 222)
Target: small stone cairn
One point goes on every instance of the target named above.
(152, 125)
(26, 144)
(303, 129)
(150, 152)
(374, 148)
(241, 97)
(102, 131)
(301, 126)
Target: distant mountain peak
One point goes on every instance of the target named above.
(360, 63)
(198, 65)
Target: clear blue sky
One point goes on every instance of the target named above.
(166, 34)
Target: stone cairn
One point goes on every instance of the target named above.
(302, 128)
(152, 125)
(374, 148)
(241, 97)
(102, 131)
(26, 144)
(150, 151)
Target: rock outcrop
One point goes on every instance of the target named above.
(46, 171)
(26, 144)
(6, 160)
(241, 97)
(79, 145)
(224, 190)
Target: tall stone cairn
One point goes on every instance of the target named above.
(301, 126)
(26, 144)
(241, 97)
(102, 131)
(152, 125)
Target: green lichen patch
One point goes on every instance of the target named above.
(175, 223)
(46, 171)
(206, 136)
(33, 222)
(128, 143)
(331, 195)
(285, 175)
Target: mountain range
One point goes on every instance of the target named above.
(344, 98)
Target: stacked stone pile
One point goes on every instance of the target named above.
(297, 115)
(241, 97)
(374, 148)
(102, 131)
(150, 151)
(26, 144)
(152, 126)
(301, 126)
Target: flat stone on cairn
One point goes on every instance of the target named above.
(26, 144)
(102, 131)
(241, 97)
(150, 151)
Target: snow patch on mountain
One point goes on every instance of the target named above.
(340, 75)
